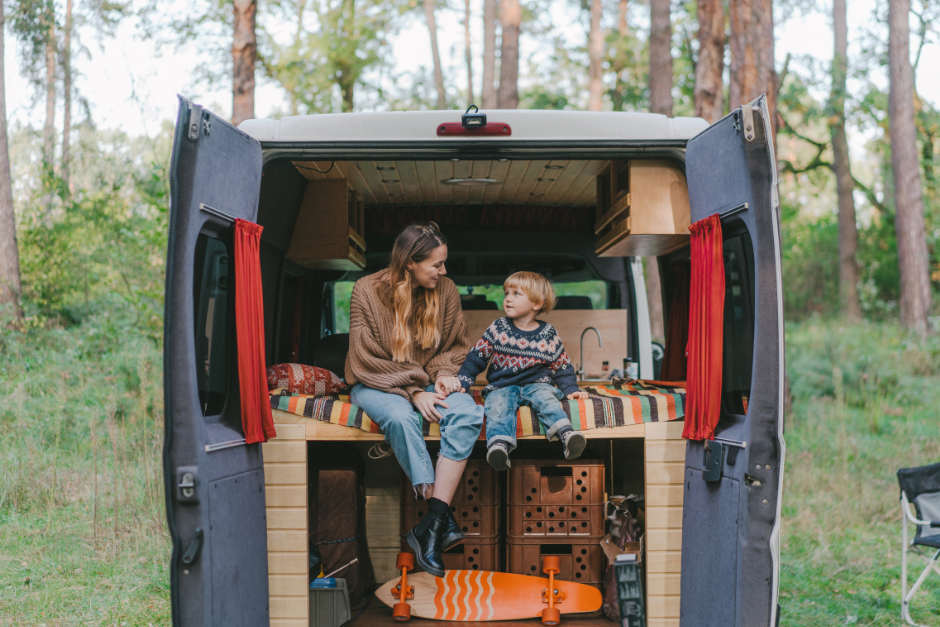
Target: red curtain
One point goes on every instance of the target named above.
(706, 330)
(257, 422)
(677, 332)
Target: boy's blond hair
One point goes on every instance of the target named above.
(536, 287)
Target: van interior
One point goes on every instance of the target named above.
(583, 223)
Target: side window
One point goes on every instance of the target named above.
(211, 303)
(739, 322)
(342, 293)
(594, 290)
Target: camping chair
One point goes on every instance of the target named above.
(920, 487)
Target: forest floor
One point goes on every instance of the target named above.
(83, 537)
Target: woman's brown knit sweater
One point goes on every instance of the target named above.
(371, 322)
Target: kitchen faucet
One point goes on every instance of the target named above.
(599, 344)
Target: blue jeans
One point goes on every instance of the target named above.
(503, 403)
(401, 424)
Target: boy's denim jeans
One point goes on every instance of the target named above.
(503, 403)
(401, 424)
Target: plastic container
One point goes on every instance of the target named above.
(472, 554)
(477, 486)
(329, 607)
(556, 520)
(582, 561)
(536, 482)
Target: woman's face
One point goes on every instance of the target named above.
(428, 272)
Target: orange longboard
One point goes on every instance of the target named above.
(477, 595)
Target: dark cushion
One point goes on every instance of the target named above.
(477, 302)
(330, 353)
(574, 302)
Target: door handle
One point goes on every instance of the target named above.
(711, 471)
(195, 547)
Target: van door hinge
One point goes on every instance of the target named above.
(196, 122)
(747, 112)
(736, 122)
(186, 485)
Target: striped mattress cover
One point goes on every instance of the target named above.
(618, 404)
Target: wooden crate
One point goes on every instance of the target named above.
(650, 219)
(329, 231)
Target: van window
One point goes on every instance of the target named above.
(596, 291)
(211, 304)
(342, 294)
(739, 322)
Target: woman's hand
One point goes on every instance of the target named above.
(425, 403)
(448, 385)
(579, 394)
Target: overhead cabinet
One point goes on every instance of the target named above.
(642, 209)
(329, 234)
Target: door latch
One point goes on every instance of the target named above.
(187, 484)
(711, 470)
(195, 546)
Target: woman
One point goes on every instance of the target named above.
(408, 338)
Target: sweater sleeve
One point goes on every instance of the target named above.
(477, 359)
(563, 372)
(455, 337)
(368, 362)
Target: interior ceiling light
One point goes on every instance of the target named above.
(554, 167)
(472, 182)
(384, 167)
(536, 194)
(390, 180)
(541, 180)
(395, 195)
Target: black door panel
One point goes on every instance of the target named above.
(730, 169)
(217, 525)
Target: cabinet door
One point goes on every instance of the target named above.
(731, 522)
(214, 481)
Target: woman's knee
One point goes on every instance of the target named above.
(463, 411)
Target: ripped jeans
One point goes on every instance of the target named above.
(401, 424)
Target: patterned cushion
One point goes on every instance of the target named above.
(303, 379)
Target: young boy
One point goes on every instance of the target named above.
(529, 367)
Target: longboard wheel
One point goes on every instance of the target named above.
(406, 560)
(551, 564)
(551, 615)
(402, 611)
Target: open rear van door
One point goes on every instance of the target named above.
(214, 481)
(733, 484)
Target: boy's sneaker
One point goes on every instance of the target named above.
(497, 456)
(573, 442)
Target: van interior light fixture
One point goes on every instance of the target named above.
(554, 167)
(472, 182)
(390, 180)
(544, 180)
(473, 120)
(384, 167)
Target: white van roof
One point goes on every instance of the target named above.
(526, 125)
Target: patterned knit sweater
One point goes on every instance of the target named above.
(519, 358)
(371, 321)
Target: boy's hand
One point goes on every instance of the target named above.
(448, 385)
(578, 394)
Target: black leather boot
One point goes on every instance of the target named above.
(452, 533)
(425, 541)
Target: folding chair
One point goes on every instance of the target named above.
(920, 487)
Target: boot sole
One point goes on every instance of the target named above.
(413, 543)
(576, 444)
(498, 459)
(451, 541)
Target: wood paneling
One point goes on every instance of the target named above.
(657, 495)
(287, 518)
(670, 451)
(663, 561)
(286, 496)
(663, 584)
(663, 607)
(664, 517)
(288, 585)
(286, 541)
(285, 474)
(666, 472)
(290, 607)
(277, 451)
(663, 539)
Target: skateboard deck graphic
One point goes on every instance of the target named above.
(476, 595)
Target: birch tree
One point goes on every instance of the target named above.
(9, 252)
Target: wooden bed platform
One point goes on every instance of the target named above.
(285, 473)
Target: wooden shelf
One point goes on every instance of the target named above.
(329, 232)
(652, 218)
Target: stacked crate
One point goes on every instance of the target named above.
(475, 507)
(557, 508)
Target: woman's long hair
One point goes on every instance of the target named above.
(421, 305)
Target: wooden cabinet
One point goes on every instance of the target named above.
(328, 233)
(642, 209)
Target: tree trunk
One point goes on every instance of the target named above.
(67, 97)
(489, 54)
(622, 26)
(660, 80)
(469, 50)
(510, 16)
(244, 56)
(9, 253)
(654, 299)
(436, 55)
(752, 56)
(711, 60)
(845, 185)
(909, 206)
(48, 129)
(596, 56)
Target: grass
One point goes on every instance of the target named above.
(82, 532)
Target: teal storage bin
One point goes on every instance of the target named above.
(329, 607)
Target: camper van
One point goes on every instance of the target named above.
(585, 198)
